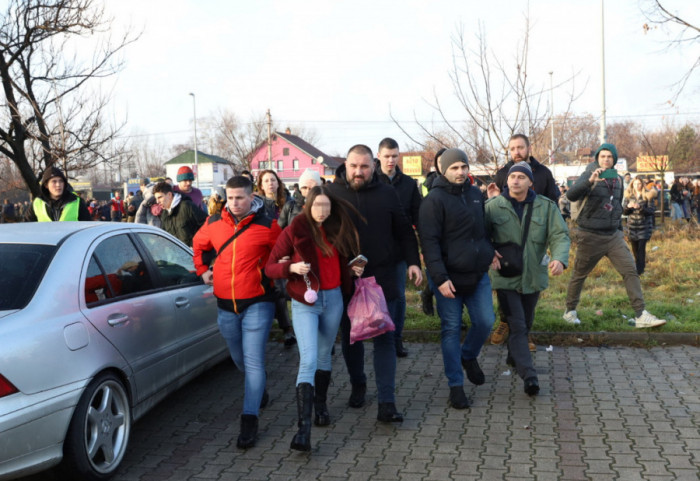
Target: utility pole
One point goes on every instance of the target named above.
(603, 134)
(551, 114)
(269, 141)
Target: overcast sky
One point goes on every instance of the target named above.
(342, 67)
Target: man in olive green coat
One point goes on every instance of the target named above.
(180, 217)
(506, 217)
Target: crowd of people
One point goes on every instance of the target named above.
(273, 246)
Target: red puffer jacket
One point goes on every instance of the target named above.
(239, 280)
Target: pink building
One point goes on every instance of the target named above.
(292, 155)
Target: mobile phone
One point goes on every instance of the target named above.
(609, 174)
(359, 261)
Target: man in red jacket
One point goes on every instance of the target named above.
(245, 297)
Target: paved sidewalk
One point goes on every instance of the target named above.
(603, 413)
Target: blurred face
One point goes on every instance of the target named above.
(457, 173)
(321, 208)
(389, 158)
(165, 199)
(270, 185)
(55, 186)
(185, 186)
(358, 169)
(605, 159)
(306, 186)
(518, 185)
(519, 150)
(637, 185)
(238, 201)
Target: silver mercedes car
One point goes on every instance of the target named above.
(98, 322)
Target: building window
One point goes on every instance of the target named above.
(280, 166)
(285, 151)
(295, 164)
(313, 160)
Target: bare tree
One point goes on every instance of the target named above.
(656, 145)
(496, 98)
(683, 34)
(49, 114)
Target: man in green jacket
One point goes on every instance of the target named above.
(506, 217)
(180, 217)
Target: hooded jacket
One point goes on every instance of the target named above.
(386, 224)
(239, 280)
(548, 231)
(453, 234)
(544, 183)
(183, 219)
(297, 242)
(54, 209)
(595, 216)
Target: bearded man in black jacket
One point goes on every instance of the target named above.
(383, 226)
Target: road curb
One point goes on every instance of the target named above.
(598, 338)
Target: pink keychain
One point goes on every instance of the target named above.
(310, 295)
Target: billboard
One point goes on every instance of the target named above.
(413, 165)
(652, 163)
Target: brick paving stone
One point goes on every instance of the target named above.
(603, 413)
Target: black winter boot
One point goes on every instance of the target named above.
(249, 431)
(321, 381)
(305, 398)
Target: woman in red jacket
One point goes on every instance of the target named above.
(312, 254)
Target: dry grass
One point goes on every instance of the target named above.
(671, 287)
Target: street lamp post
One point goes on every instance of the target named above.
(196, 164)
(551, 114)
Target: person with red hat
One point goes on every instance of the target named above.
(185, 177)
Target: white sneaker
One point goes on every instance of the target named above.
(648, 320)
(571, 317)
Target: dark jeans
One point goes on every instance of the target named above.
(384, 357)
(519, 310)
(639, 250)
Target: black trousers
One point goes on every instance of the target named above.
(519, 310)
(639, 250)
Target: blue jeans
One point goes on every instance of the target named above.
(384, 357)
(400, 317)
(316, 328)
(246, 335)
(676, 211)
(480, 306)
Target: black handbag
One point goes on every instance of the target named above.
(512, 253)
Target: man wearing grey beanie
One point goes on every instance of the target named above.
(457, 256)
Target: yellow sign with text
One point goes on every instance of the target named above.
(413, 165)
(652, 163)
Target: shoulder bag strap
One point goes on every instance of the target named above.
(528, 216)
(232, 238)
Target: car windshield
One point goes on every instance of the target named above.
(21, 270)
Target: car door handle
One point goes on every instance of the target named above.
(117, 319)
(182, 302)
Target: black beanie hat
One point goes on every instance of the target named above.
(52, 172)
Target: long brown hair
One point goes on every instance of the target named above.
(339, 228)
(281, 196)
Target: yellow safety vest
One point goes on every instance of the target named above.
(69, 212)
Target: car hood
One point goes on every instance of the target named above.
(8, 312)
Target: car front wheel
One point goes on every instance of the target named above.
(99, 431)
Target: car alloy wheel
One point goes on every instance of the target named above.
(99, 430)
